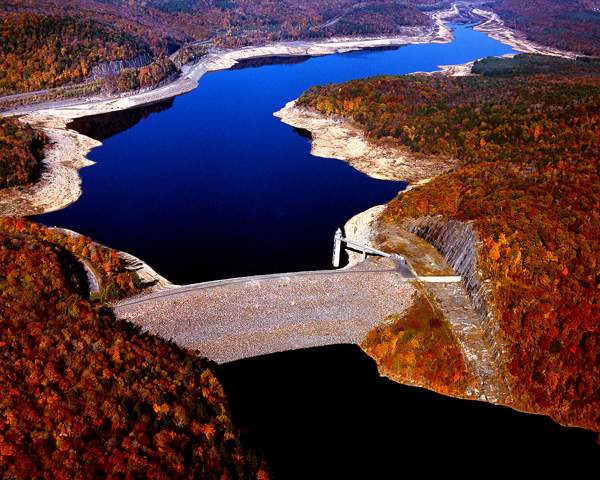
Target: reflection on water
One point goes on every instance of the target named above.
(303, 132)
(103, 126)
(275, 60)
(325, 413)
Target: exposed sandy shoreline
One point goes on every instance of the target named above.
(342, 139)
(60, 182)
(336, 137)
(493, 26)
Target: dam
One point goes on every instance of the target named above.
(239, 318)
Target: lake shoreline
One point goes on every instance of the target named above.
(66, 153)
(340, 138)
(60, 182)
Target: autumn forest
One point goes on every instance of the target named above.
(88, 396)
(62, 46)
(85, 396)
(530, 182)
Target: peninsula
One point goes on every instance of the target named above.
(527, 294)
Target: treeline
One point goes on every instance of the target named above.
(530, 148)
(419, 348)
(310, 19)
(245, 22)
(49, 43)
(521, 65)
(20, 153)
(116, 282)
(38, 52)
(378, 18)
(570, 25)
(86, 396)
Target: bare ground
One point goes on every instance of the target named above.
(342, 139)
(451, 298)
(60, 183)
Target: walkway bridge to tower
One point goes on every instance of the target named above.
(236, 318)
(232, 319)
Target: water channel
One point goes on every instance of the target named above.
(210, 185)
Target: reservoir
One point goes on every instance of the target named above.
(214, 186)
(211, 185)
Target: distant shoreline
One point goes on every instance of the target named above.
(342, 139)
(59, 185)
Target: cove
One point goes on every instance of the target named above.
(325, 413)
(212, 186)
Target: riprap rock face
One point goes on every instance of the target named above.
(113, 68)
(458, 243)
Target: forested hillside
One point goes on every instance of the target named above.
(85, 396)
(570, 25)
(419, 348)
(51, 43)
(20, 153)
(116, 282)
(527, 132)
(39, 51)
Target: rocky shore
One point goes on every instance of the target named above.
(60, 183)
(331, 138)
(493, 26)
(241, 318)
(335, 137)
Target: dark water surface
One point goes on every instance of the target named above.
(324, 413)
(213, 187)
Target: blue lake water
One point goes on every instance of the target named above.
(217, 187)
(214, 186)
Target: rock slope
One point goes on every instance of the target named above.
(467, 305)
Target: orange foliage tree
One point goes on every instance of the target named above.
(84, 395)
(527, 131)
(419, 348)
(20, 153)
